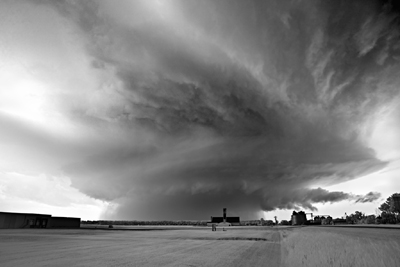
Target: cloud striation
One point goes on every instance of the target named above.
(250, 105)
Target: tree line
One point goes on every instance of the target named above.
(390, 213)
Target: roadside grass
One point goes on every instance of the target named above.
(340, 247)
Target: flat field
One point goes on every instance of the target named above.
(192, 246)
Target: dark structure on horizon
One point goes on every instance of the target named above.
(224, 219)
(299, 218)
(33, 220)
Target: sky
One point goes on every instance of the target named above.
(175, 109)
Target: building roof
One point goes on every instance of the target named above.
(58, 217)
(228, 219)
(29, 214)
(37, 214)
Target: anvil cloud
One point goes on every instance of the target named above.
(177, 108)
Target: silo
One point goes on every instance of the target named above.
(299, 218)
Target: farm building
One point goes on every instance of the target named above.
(33, 220)
(299, 218)
(224, 219)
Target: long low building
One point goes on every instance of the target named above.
(224, 220)
(33, 220)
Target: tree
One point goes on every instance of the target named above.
(388, 218)
(385, 207)
(269, 222)
(389, 206)
(359, 215)
(284, 222)
(355, 218)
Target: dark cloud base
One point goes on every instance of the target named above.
(238, 203)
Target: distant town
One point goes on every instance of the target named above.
(390, 214)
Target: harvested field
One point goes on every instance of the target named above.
(341, 246)
(191, 246)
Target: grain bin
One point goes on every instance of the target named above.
(298, 218)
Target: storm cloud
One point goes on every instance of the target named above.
(249, 105)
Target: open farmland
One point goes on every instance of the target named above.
(191, 246)
(341, 246)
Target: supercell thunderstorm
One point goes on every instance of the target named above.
(250, 105)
